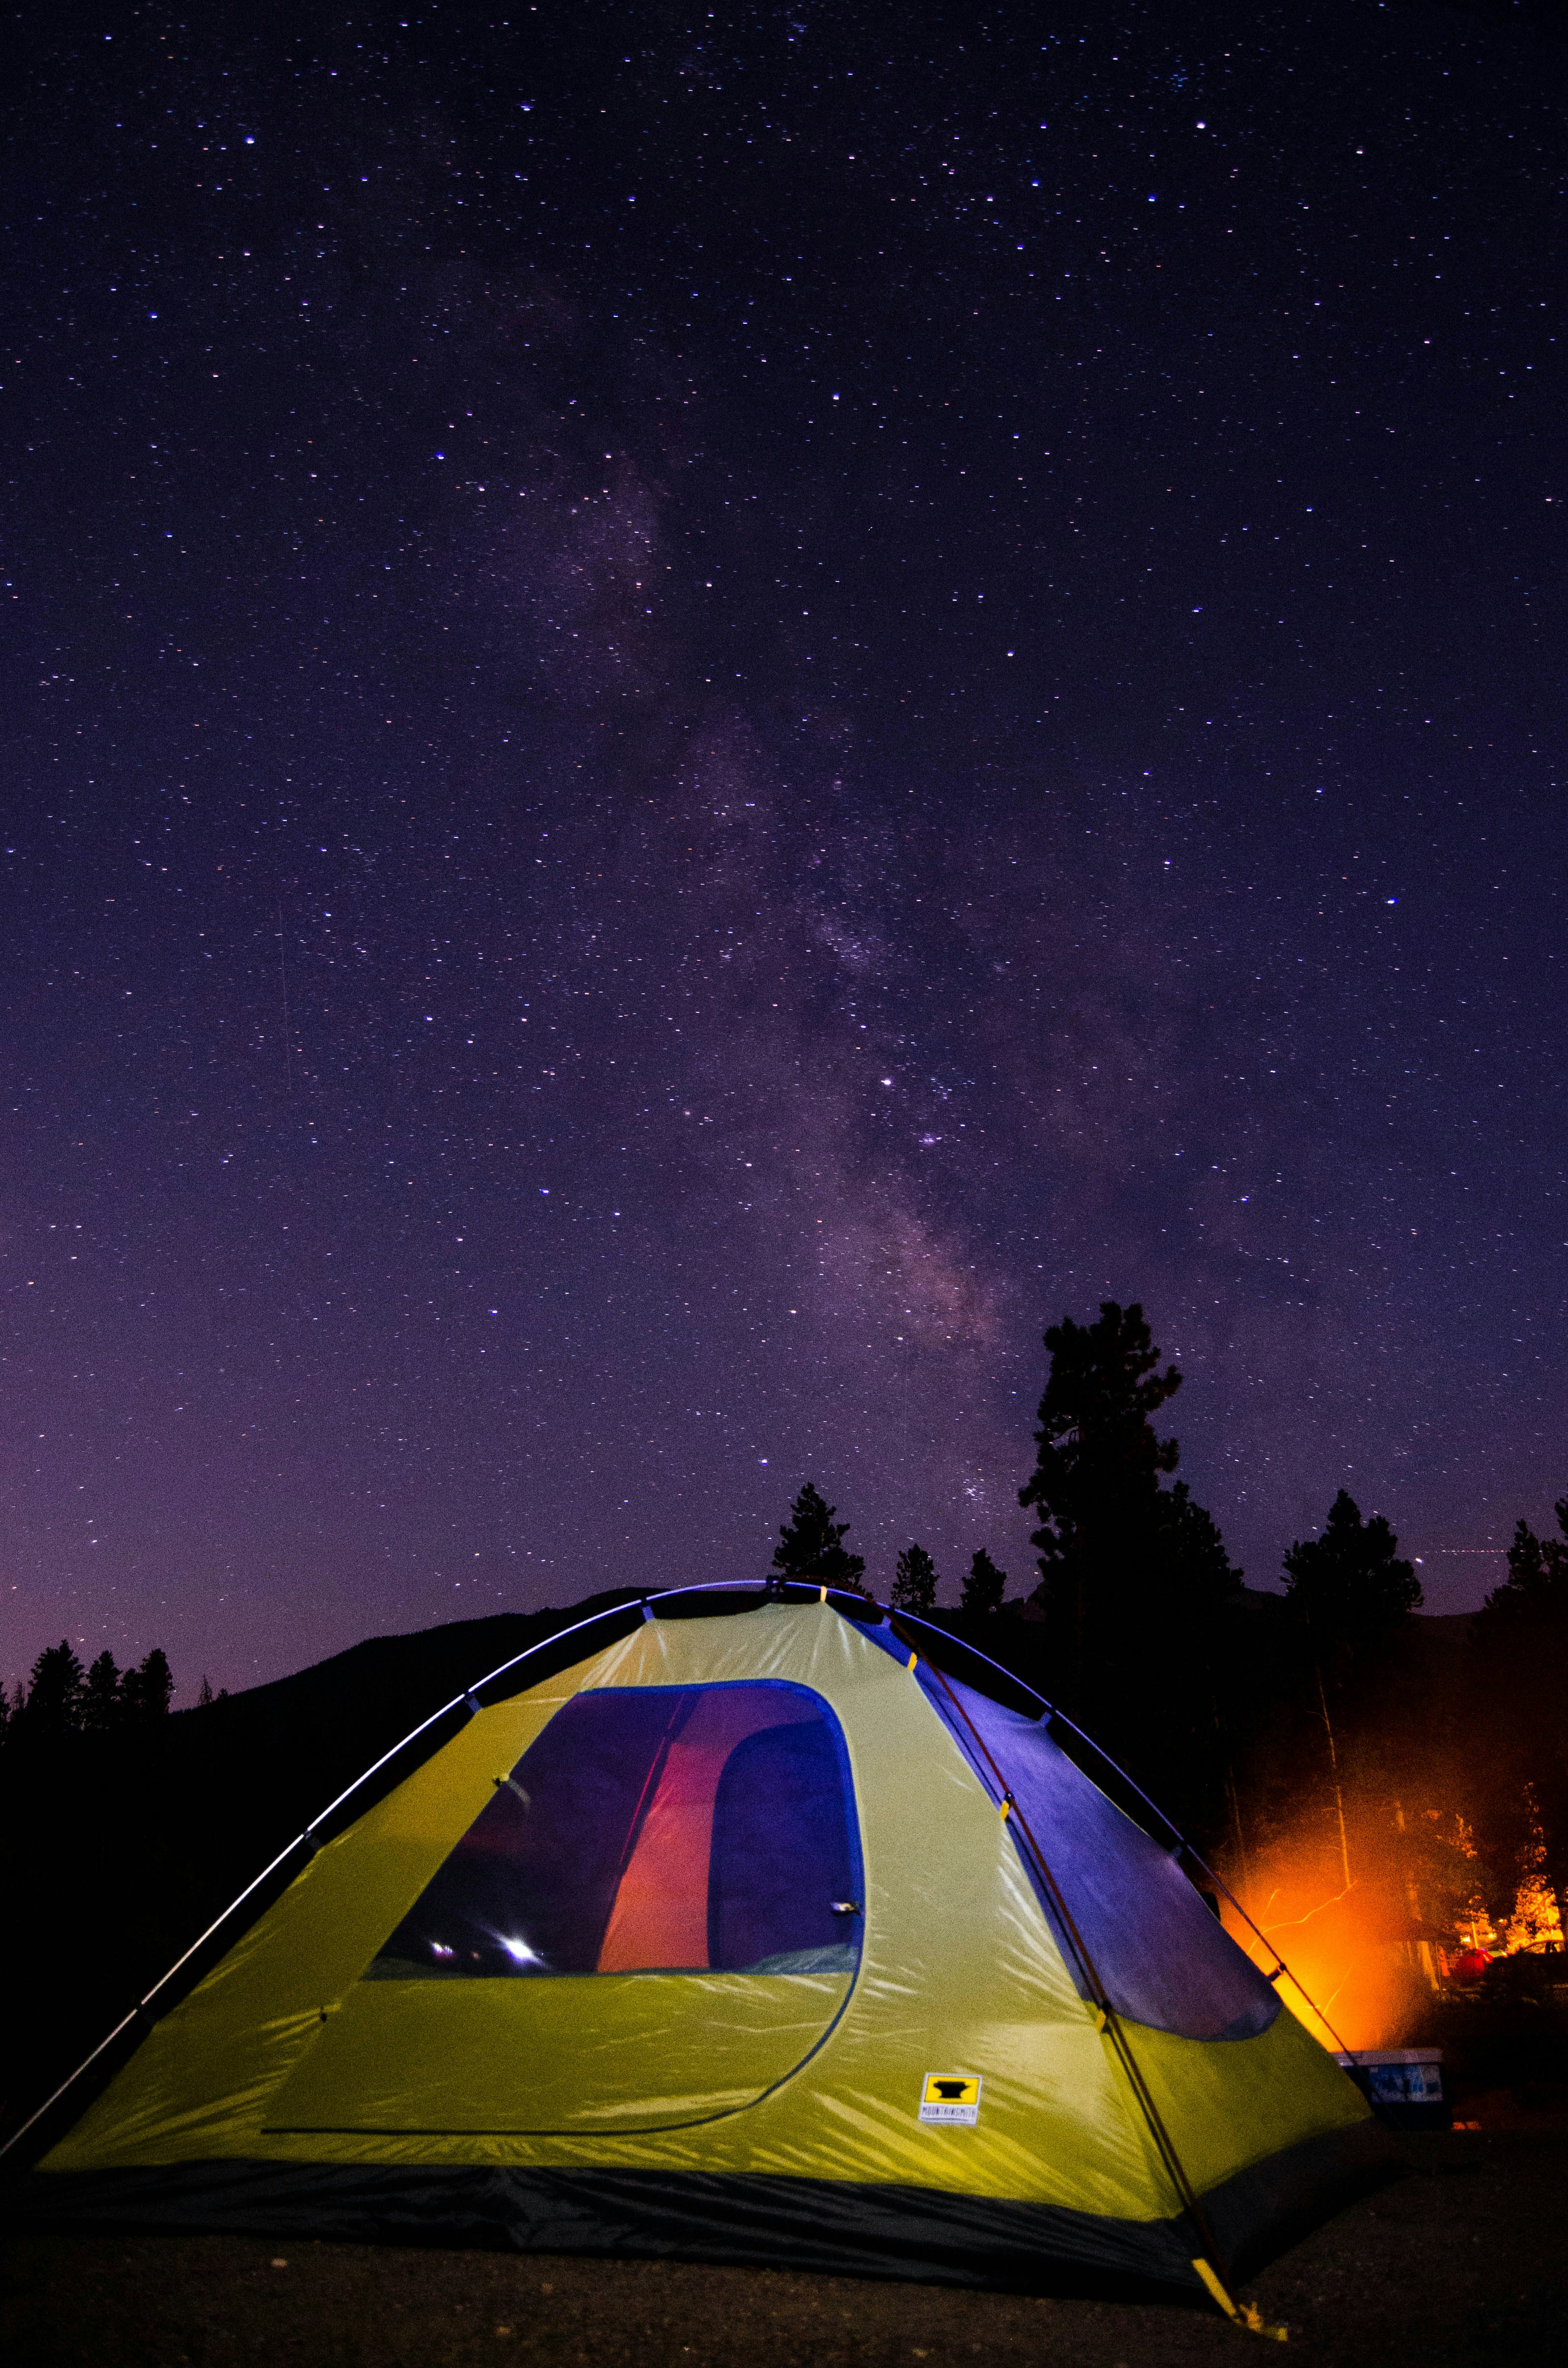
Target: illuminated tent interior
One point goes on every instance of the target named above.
(729, 1926)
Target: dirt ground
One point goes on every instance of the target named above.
(1464, 2262)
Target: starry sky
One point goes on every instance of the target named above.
(702, 712)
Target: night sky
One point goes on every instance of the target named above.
(701, 714)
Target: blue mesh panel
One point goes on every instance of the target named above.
(1162, 1954)
(781, 1861)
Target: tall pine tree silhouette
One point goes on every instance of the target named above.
(53, 1705)
(1134, 1576)
(1350, 1593)
(914, 1581)
(101, 1703)
(1349, 1586)
(984, 1585)
(1095, 1484)
(147, 1688)
(811, 1544)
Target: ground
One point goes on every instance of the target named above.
(1461, 2262)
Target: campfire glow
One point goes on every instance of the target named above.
(1333, 1895)
(1536, 1921)
(1346, 1950)
(1369, 1943)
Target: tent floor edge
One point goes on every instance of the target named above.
(1261, 2212)
(925, 2236)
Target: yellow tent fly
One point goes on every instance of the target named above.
(739, 1925)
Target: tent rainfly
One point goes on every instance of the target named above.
(763, 1939)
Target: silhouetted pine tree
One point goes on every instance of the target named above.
(1350, 1596)
(53, 1705)
(101, 1702)
(810, 1544)
(983, 1587)
(914, 1581)
(146, 1690)
(1134, 1577)
(1095, 1484)
(1349, 1588)
(1197, 1569)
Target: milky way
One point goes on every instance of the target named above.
(703, 714)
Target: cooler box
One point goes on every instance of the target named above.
(1402, 2085)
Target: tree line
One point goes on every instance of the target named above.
(810, 1545)
(60, 1698)
(1241, 1714)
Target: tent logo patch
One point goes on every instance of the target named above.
(950, 2096)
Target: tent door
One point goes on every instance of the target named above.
(655, 1919)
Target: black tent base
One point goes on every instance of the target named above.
(1261, 2213)
(790, 2224)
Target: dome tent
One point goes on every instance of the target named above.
(761, 1939)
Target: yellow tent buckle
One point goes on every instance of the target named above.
(1245, 2314)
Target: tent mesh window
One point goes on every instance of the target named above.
(653, 1830)
(1162, 1957)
